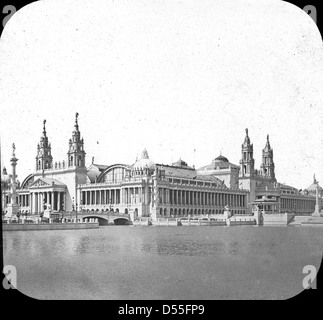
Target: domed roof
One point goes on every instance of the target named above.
(221, 158)
(144, 162)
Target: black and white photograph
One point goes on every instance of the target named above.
(161, 150)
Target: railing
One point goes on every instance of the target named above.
(103, 213)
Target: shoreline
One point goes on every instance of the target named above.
(298, 221)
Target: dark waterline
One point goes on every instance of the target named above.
(127, 262)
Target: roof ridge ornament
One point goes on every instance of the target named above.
(267, 146)
(44, 127)
(246, 142)
(144, 154)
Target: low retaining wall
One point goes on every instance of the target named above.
(241, 222)
(142, 222)
(48, 226)
(314, 221)
(166, 222)
(203, 223)
(277, 218)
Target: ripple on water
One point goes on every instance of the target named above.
(163, 263)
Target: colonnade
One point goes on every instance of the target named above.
(297, 205)
(55, 199)
(198, 198)
(24, 200)
(126, 195)
(143, 195)
(100, 197)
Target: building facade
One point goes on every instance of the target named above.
(149, 189)
(262, 183)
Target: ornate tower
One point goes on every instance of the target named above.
(76, 153)
(44, 157)
(247, 162)
(268, 167)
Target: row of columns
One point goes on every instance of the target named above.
(134, 195)
(195, 198)
(297, 205)
(24, 200)
(55, 199)
(129, 195)
(98, 197)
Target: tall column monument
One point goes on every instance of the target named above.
(13, 207)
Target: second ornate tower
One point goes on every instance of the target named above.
(76, 153)
(247, 162)
(268, 167)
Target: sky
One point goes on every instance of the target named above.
(179, 78)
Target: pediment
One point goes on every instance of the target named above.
(39, 183)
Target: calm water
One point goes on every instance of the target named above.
(132, 262)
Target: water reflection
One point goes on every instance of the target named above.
(186, 248)
(163, 263)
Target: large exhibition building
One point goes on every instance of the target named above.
(151, 189)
